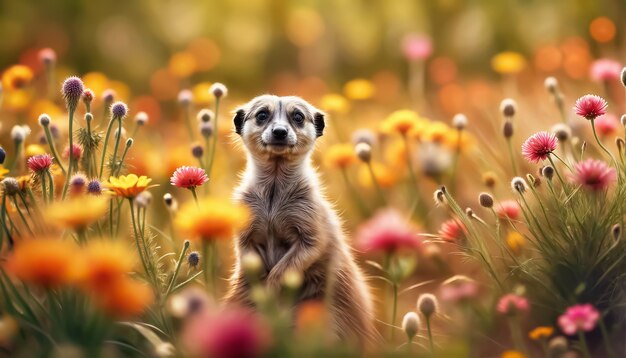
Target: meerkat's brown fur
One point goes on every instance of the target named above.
(293, 226)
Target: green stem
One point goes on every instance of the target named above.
(177, 269)
(379, 190)
(557, 172)
(583, 344)
(195, 195)
(119, 168)
(137, 242)
(216, 137)
(70, 166)
(355, 196)
(430, 335)
(51, 197)
(44, 190)
(606, 339)
(394, 309)
(53, 149)
(19, 211)
(512, 156)
(118, 139)
(104, 147)
(595, 135)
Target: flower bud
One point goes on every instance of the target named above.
(562, 131)
(87, 97)
(143, 199)
(251, 263)
(88, 117)
(507, 129)
(218, 90)
(519, 185)
(469, 212)
(185, 97)
(411, 324)
(119, 110)
(170, 202)
(108, 96)
(489, 179)
(557, 346)
(551, 84)
(363, 152)
(11, 186)
(197, 151)
(485, 200)
(141, 118)
(508, 107)
(19, 133)
(547, 172)
(206, 129)
(44, 120)
(459, 121)
(193, 259)
(72, 91)
(428, 305)
(78, 184)
(205, 115)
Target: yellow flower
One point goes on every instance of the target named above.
(335, 103)
(512, 354)
(508, 62)
(76, 213)
(436, 132)
(452, 140)
(212, 219)
(385, 176)
(395, 154)
(128, 186)
(34, 149)
(359, 89)
(16, 77)
(3, 171)
(515, 241)
(340, 156)
(182, 64)
(541, 332)
(201, 94)
(401, 121)
(106, 262)
(24, 181)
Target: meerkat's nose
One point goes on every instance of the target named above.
(279, 132)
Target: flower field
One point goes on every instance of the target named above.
(476, 160)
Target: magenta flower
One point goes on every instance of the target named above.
(579, 317)
(387, 231)
(590, 106)
(508, 209)
(606, 124)
(605, 70)
(593, 174)
(417, 47)
(452, 230)
(40, 163)
(538, 146)
(511, 304)
(189, 177)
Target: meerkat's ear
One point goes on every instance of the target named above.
(318, 120)
(238, 120)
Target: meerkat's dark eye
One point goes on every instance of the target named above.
(298, 117)
(262, 116)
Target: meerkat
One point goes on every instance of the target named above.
(293, 226)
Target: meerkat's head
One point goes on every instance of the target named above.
(279, 127)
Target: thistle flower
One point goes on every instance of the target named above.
(212, 219)
(539, 146)
(606, 124)
(590, 106)
(508, 209)
(88, 97)
(452, 230)
(427, 304)
(485, 200)
(119, 110)
(581, 317)
(40, 164)
(508, 107)
(518, 184)
(411, 324)
(605, 70)
(128, 186)
(218, 90)
(94, 187)
(511, 304)
(593, 174)
(205, 115)
(193, 259)
(72, 90)
(387, 231)
(11, 186)
(416, 47)
(78, 184)
(141, 118)
(189, 177)
(363, 152)
(77, 152)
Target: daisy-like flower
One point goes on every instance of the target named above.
(39, 164)
(452, 230)
(212, 219)
(106, 262)
(508, 209)
(47, 263)
(590, 106)
(189, 177)
(387, 231)
(539, 146)
(128, 186)
(401, 121)
(511, 304)
(340, 156)
(126, 298)
(76, 213)
(579, 317)
(605, 70)
(593, 174)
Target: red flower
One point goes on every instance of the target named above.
(508, 209)
(387, 231)
(77, 151)
(590, 106)
(452, 230)
(189, 177)
(605, 70)
(593, 174)
(512, 304)
(538, 146)
(40, 163)
(606, 124)
(232, 333)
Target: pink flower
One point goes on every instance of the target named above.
(76, 152)
(40, 163)
(605, 70)
(511, 304)
(606, 124)
(579, 317)
(452, 230)
(387, 231)
(590, 106)
(508, 209)
(417, 47)
(231, 333)
(538, 146)
(459, 291)
(593, 174)
(189, 177)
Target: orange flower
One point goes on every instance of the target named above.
(128, 186)
(126, 298)
(16, 77)
(384, 175)
(436, 132)
(335, 103)
(212, 218)
(515, 241)
(76, 213)
(512, 354)
(340, 156)
(311, 316)
(106, 262)
(401, 121)
(541, 332)
(47, 263)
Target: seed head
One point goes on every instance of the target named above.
(88, 117)
(459, 121)
(507, 129)
(469, 212)
(485, 200)
(44, 120)
(428, 305)
(551, 84)
(11, 186)
(141, 118)
(218, 90)
(518, 184)
(439, 197)
(193, 259)
(108, 96)
(562, 131)
(19, 133)
(205, 115)
(197, 151)
(363, 152)
(72, 91)
(206, 129)
(547, 172)
(119, 110)
(170, 202)
(508, 107)
(411, 324)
